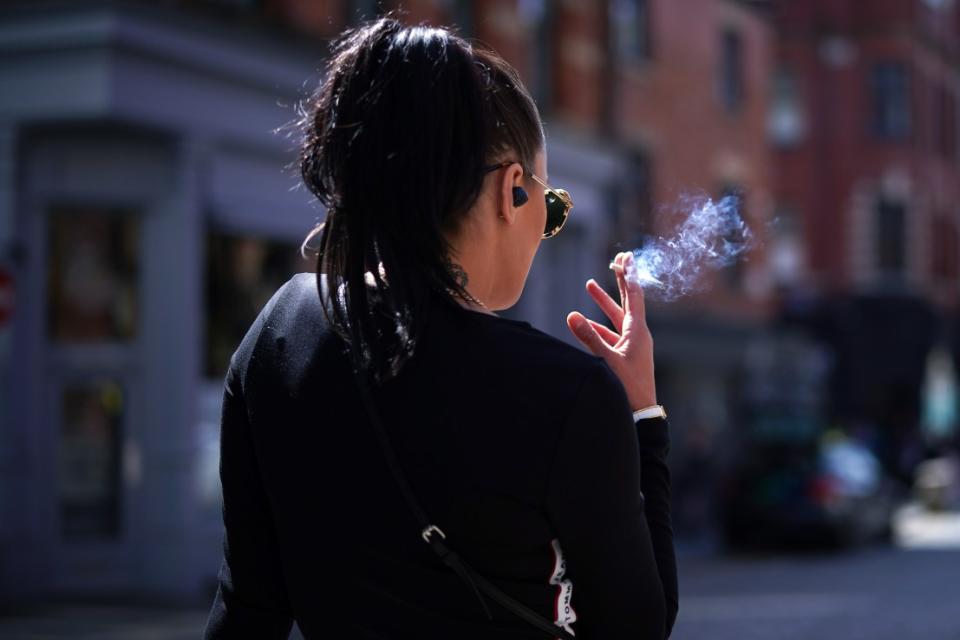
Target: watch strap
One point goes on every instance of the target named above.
(653, 411)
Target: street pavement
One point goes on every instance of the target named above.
(106, 622)
(872, 593)
(907, 591)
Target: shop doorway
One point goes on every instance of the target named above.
(90, 331)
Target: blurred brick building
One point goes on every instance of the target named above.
(864, 129)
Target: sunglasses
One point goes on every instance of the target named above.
(559, 203)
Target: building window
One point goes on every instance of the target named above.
(243, 272)
(889, 87)
(630, 27)
(944, 122)
(944, 254)
(786, 258)
(631, 202)
(92, 275)
(927, 130)
(461, 14)
(891, 240)
(639, 190)
(786, 124)
(543, 51)
(89, 460)
(730, 77)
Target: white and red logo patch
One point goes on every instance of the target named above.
(563, 613)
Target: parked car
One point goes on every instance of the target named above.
(827, 491)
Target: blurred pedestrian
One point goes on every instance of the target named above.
(397, 460)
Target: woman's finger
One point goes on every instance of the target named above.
(608, 336)
(621, 280)
(635, 305)
(607, 304)
(586, 334)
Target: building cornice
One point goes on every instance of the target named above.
(242, 54)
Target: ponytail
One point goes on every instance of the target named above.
(395, 142)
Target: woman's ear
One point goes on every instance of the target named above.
(512, 193)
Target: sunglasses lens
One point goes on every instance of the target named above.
(556, 213)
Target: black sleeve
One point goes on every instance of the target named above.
(251, 599)
(654, 437)
(595, 503)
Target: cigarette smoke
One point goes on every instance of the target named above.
(710, 237)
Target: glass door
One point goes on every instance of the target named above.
(92, 321)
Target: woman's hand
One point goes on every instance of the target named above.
(628, 350)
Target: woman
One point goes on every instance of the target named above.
(429, 156)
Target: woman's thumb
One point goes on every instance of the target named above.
(586, 334)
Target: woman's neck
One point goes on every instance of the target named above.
(474, 302)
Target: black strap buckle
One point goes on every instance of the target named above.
(430, 530)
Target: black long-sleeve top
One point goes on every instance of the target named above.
(522, 449)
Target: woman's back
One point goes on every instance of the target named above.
(429, 156)
(520, 448)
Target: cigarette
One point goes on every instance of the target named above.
(644, 278)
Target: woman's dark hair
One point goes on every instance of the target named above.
(395, 144)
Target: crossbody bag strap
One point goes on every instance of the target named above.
(434, 536)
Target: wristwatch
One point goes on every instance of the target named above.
(653, 411)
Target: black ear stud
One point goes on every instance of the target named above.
(520, 196)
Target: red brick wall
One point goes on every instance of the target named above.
(840, 166)
(579, 64)
(324, 18)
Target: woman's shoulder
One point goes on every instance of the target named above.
(278, 304)
(571, 370)
(292, 305)
(288, 322)
(485, 344)
(520, 351)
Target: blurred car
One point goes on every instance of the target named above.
(831, 491)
